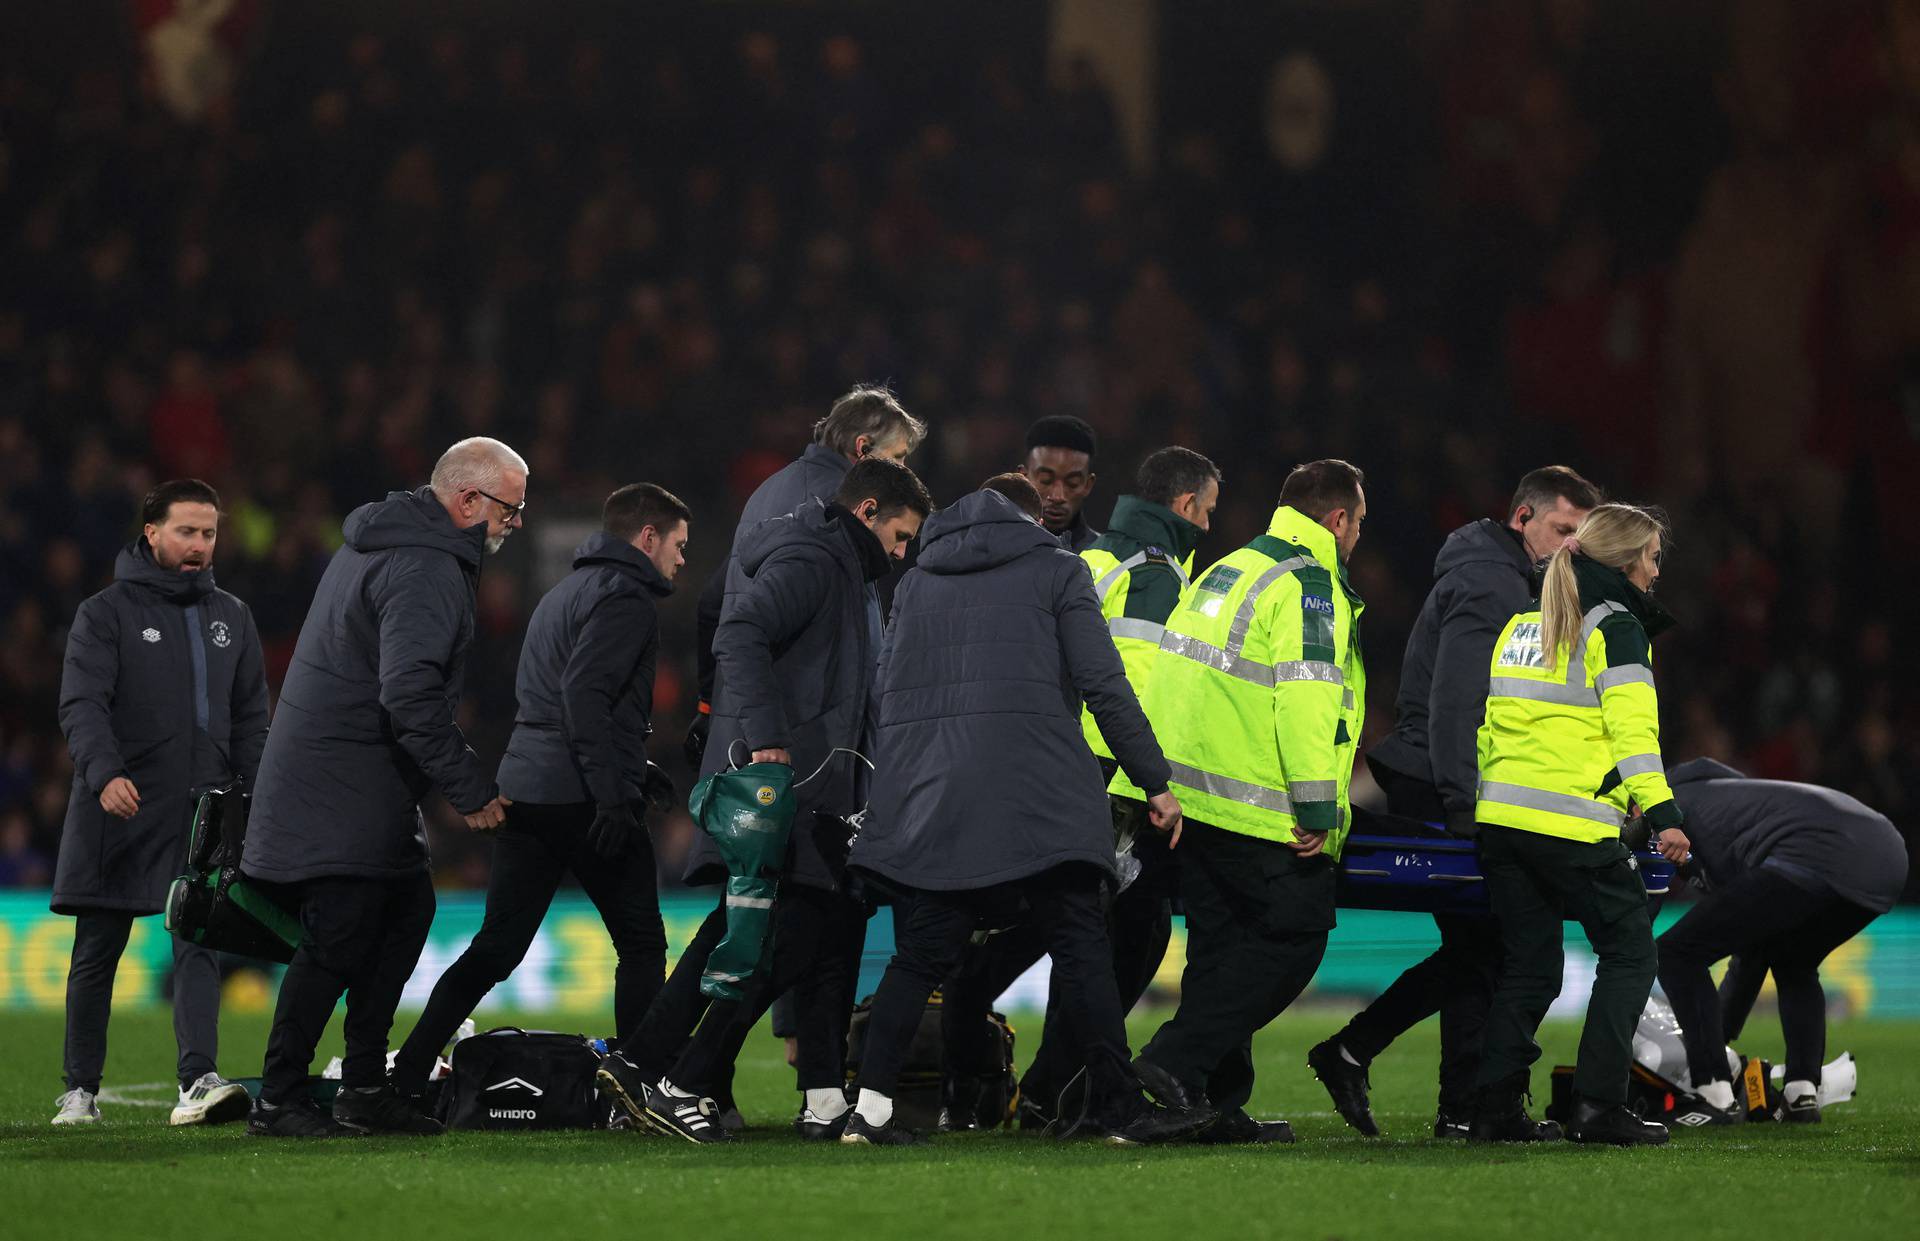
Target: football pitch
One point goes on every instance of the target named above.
(1857, 1175)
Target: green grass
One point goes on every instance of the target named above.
(1857, 1175)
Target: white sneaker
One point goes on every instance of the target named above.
(211, 1100)
(76, 1108)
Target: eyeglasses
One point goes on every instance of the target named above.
(513, 510)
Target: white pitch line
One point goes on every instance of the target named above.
(120, 1096)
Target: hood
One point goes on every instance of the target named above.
(981, 531)
(413, 519)
(1695, 769)
(1483, 542)
(1155, 525)
(136, 564)
(603, 548)
(1598, 583)
(813, 523)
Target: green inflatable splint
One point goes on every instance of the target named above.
(749, 813)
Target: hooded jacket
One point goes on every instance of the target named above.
(795, 656)
(815, 475)
(584, 690)
(1817, 837)
(982, 774)
(1480, 579)
(365, 726)
(163, 683)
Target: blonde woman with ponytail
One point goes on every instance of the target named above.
(1570, 748)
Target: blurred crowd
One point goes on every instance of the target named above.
(662, 259)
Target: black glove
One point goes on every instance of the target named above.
(657, 790)
(695, 746)
(613, 826)
(1637, 834)
(1462, 824)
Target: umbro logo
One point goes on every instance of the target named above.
(149, 635)
(516, 1083)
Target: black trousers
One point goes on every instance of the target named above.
(656, 1040)
(1537, 883)
(532, 851)
(1771, 922)
(1456, 980)
(931, 931)
(362, 939)
(99, 939)
(815, 957)
(1257, 921)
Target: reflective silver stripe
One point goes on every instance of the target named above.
(1543, 691)
(1641, 765)
(1203, 652)
(1178, 572)
(749, 902)
(1346, 699)
(1112, 576)
(719, 977)
(1256, 795)
(1313, 790)
(1628, 674)
(1243, 619)
(1133, 627)
(1577, 659)
(1553, 803)
(1308, 670)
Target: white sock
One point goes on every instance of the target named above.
(1720, 1094)
(1348, 1057)
(672, 1091)
(1799, 1089)
(874, 1108)
(826, 1103)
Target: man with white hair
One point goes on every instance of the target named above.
(365, 729)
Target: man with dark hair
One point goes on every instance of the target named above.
(365, 730)
(867, 422)
(163, 695)
(1016, 487)
(1059, 463)
(1258, 694)
(796, 651)
(1429, 769)
(576, 771)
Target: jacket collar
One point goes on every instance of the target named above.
(603, 548)
(1155, 525)
(135, 564)
(1599, 584)
(874, 561)
(826, 458)
(1296, 527)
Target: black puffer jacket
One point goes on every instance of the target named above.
(163, 684)
(585, 686)
(983, 774)
(365, 725)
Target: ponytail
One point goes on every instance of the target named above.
(1613, 535)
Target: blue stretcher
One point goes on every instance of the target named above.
(1404, 864)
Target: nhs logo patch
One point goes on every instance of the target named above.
(1314, 603)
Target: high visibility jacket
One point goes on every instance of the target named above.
(1140, 566)
(1572, 737)
(1258, 691)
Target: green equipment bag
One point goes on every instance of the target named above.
(213, 904)
(749, 813)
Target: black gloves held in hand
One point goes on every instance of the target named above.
(657, 790)
(695, 746)
(612, 828)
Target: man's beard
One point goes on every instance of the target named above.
(495, 543)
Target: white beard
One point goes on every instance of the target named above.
(495, 543)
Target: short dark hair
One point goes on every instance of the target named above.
(1017, 488)
(1062, 431)
(153, 510)
(870, 410)
(1543, 487)
(1167, 475)
(636, 506)
(1319, 487)
(889, 484)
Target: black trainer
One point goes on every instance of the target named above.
(1612, 1124)
(1804, 1110)
(1031, 1115)
(295, 1120)
(1145, 1124)
(859, 1133)
(684, 1116)
(381, 1110)
(963, 1104)
(1346, 1085)
(626, 1085)
(1451, 1125)
(813, 1129)
(1166, 1089)
(1236, 1128)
